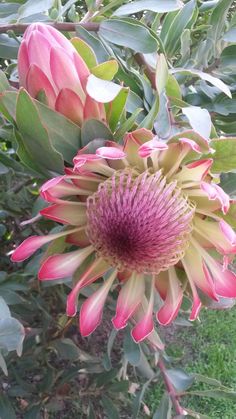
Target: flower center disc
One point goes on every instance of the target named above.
(139, 222)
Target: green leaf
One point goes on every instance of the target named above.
(107, 357)
(3, 170)
(105, 378)
(127, 125)
(102, 90)
(63, 134)
(164, 410)
(115, 109)
(110, 409)
(32, 7)
(230, 36)
(8, 105)
(207, 380)
(138, 400)
(4, 84)
(208, 5)
(8, 9)
(224, 158)
(161, 73)
(228, 183)
(68, 5)
(144, 367)
(148, 121)
(26, 157)
(106, 71)
(228, 57)
(95, 43)
(160, 6)
(185, 40)
(11, 334)
(10, 162)
(4, 310)
(199, 120)
(218, 21)
(8, 47)
(56, 246)
(85, 51)
(93, 129)
(162, 121)
(130, 35)
(35, 137)
(66, 349)
(180, 379)
(173, 88)
(204, 76)
(215, 394)
(132, 350)
(6, 409)
(171, 35)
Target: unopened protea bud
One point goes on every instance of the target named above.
(49, 67)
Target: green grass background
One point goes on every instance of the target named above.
(208, 348)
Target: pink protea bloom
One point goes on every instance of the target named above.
(50, 67)
(146, 214)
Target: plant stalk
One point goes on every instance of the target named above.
(170, 389)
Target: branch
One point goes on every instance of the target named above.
(61, 26)
(170, 389)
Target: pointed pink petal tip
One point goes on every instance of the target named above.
(142, 330)
(88, 324)
(168, 312)
(119, 323)
(92, 309)
(192, 144)
(196, 307)
(146, 149)
(112, 153)
(215, 192)
(28, 247)
(71, 304)
(228, 232)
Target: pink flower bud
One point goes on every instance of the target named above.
(49, 65)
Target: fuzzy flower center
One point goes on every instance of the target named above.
(139, 221)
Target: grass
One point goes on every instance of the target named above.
(208, 348)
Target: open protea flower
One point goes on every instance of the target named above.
(49, 64)
(148, 215)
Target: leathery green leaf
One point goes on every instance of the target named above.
(35, 136)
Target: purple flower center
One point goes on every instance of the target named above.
(139, 221)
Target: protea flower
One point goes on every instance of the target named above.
(146, 216)
(49, 67)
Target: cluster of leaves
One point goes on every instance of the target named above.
(173, 66)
